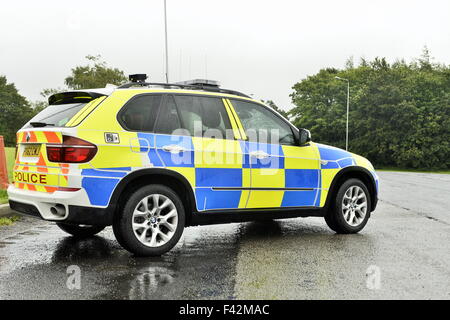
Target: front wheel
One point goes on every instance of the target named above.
(151, 222)
(80, 231)
(351, 208)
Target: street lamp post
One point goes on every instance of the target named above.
(167, 50)
(348, 108)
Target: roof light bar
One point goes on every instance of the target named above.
(197, 84)
(200, 82)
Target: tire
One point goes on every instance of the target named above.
(351, 208)
(330, 221)
(151, 221)
(79, 231)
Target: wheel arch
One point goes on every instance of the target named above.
(353, 172)
(172, 179)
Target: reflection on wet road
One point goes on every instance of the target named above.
(291, 259)
(200, 266)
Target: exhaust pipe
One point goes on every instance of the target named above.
(58, 210)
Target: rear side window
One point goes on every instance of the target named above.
(200, 115)
(139, 114)
(57, 115)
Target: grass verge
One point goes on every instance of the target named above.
(3, 197)
(7, 221)
(10, 154)
(413, 170)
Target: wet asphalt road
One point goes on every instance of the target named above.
(406, 243)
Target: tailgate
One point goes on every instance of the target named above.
(32, 170)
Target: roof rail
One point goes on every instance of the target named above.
(212, 86)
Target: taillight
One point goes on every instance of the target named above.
(72, 150)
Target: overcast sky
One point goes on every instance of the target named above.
(258, 47)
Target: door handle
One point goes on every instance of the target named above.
(259, 154)
(173, 148)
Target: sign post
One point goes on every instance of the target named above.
(3, 171)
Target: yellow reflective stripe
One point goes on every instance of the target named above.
(84, 112)
(238, 121)
(234, 125)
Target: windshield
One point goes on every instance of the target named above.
(56, 115)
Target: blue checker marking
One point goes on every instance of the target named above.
(154, 158)
(299, 198)
(272, 149)
(346, 162)
(147, 143)
(328, 153)
(268, 163)
(330, 165)
(301, 178)
(99, 189)
(183, 141)
(375, 178)
(317, 203)
(245, 155)
(215, 177)
(274, 161)
(182, 159)
(98, 173)
(217, 199)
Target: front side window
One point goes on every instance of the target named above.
(203, 116)
(262, 125)
(139, 114)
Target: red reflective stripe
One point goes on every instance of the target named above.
(33, 137)
(50, 189)
(68, 189)
(52, 137)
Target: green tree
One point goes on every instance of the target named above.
(399, 112)
(272, 104)
(94, 75)
(15, 111)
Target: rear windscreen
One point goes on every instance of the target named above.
(56, 115)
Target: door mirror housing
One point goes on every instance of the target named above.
(304, 136)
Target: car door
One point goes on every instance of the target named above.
(282, 173)
(203, 148)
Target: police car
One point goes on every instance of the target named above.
(152, 158)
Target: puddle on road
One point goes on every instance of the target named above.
(38, 258)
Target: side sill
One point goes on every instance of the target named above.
(244, 215)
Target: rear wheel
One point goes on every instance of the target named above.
(351, 208)
(151, 222)
(80, 231)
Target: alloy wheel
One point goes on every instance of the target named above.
(354, 205)
(155, 220)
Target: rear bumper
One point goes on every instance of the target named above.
(43, 205)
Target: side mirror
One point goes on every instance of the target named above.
(304, 136)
